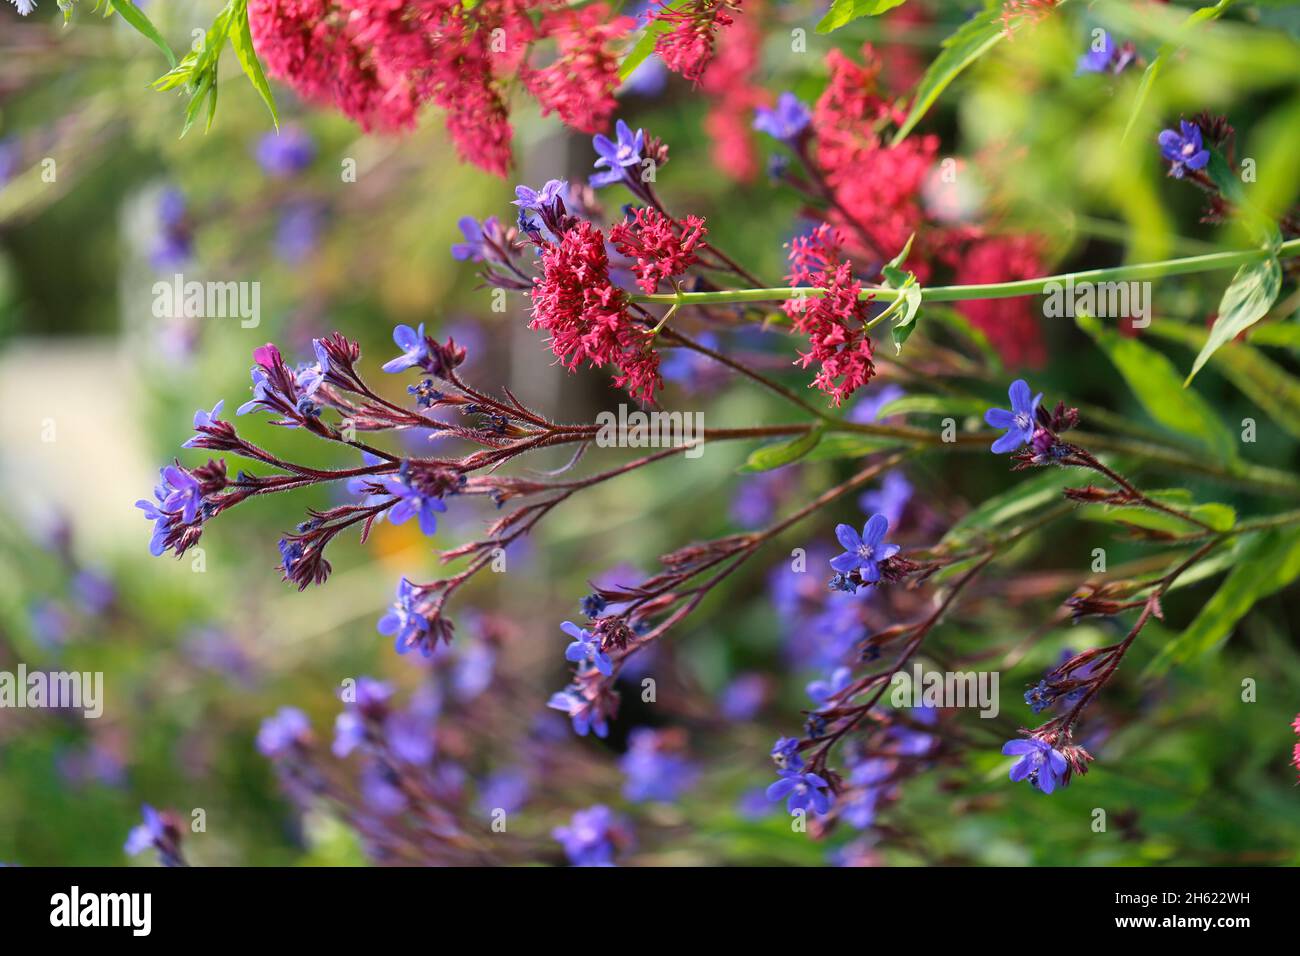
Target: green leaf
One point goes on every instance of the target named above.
(645, 44)
(1218, 516)
(1156, 384)
(1020, 499)
(783, 453)
(845, 11)
(976, 37)
(1247, 299)
(241, 41)
(932, 405)
(143, 25)
(840, 445)
(1257, 377)
(1267, 563)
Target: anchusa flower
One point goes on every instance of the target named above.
(864, 553)
(616, 157)
(801, 790)
(419, 490)
(586, 648)
(405, 621)
(787, 122)
(159, 831)
(1044, 767)
(285, 152)
(594, 836)
(656, 767)
(1103, 56)
(1020, 422)
(284, 732)
(1183, 149)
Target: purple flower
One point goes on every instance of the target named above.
(371, 704)
(1019, 422)
(865, 552)
(655, 773)
(890, 499)
(410, 737)
(413, 503)
(173, 245)
(380, 791)
(285, 153)
(616, 155)
(482, 241)
(743, 698)
(405, 622)
(204, 419)
(592, 836)
(823, 690)
(298, 231)
(585, 716)
(586, 647)
(282, 731)
(648, 79)
(94, 591)
(1095, 60)
(183, 493)
(147, 834)
(801, 791)
(1183, 149)
(785, 754)
(539, 199)
(9, 156)
(1044, 767)
(505, 790)
(414, 346)
(786, 122)
(866, 409)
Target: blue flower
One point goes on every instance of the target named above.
(204, 419)
(184, 493)
(413, 503)
(655, 773)
(1044, 767)
(1183, 148)
(890, 499)
(540, 199)
(785, 754)
(405, 622)
(414, 346)
(1096, 61)
(581, 712)
(823, 690)
(786, 122)
(1019, 422)
(148, 834)
(801, 791)
(287, 152)
(479, 239)
(616, 155)
(281, 731)
(866, 552)
(591, 836)
(505, 790)
(586, 647)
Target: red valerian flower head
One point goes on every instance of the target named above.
(587, 315)
(688, 47)
(1012, 325)
(580, 84)
(662, 247)
(835, 322)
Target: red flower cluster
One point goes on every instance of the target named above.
(1011, 324)
(662, 247)
(380, 61)
(834, 323)
(734, 94)
(877, 187)
(587, 315)
(688, 47)
(580, 84)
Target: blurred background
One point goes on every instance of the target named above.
(100, 199)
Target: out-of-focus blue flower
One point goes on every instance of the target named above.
(405, 622)
(890, 499)
(592, 836)
(286, 152)
(9, 157)
(1183, 148)
(1043, 766)
(617, 155)
(1019, 422)
(743, 698)
(481, 240)
(786, 121)
(654, 771)
(647, 80)
(505, 790)
(864, 553)
(584, 717)
(866, 410)
(823, 690)
(410, 737)
(1097, 59)
(298, 231)
(282, 731)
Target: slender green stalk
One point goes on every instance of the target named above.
(995, 290)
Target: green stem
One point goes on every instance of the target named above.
(995, 290)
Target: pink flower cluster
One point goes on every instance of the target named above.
(835, 322)
(688, 47)
(381, 61)
(587, 316)
(733, 91)
(661, 247)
